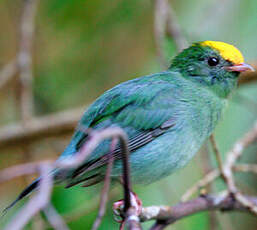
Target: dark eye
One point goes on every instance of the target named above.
(213, 61)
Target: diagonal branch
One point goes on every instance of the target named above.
(166, 215)
(232, 156)
(54, 218)
(37, 202)
(41, 199)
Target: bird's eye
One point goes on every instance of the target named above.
(213, 61)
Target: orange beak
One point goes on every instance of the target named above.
(242, 67)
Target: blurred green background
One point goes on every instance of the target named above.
(84, 47)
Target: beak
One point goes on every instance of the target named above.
(242, 67)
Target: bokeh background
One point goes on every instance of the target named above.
(84, 47)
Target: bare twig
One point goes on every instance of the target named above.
(96, 137)
(166, 215)
(205, 164)
(41, 199)
(207, 179)
(174, 30)
(217, 154)
(245, 168)
(19, 170)
(126, 173)
(24, 58)
(160, 21)
(37, 202)
(130, 205)
(8, 72)
(59, 123)
(214, 174)
(232, 157)
(54, 218)
(104, 193)
(38, 223)
(165, 22)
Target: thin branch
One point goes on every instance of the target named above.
(232, 157)
(165, 22)
(96, 137)
(246, 168)
(24, 58)
(214, 174)
(19, 170)
(37, 128)
(8, 72)
(106, 187)
(207, 179)
(41, 199)
(54, 218)
(205, 164)
(235, 153)
(217, 154)
(37, 202)
(160, 21)
(174, 30)
(126, 173)
(166, 215)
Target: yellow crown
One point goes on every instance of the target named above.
(226, 51)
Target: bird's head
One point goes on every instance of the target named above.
(212, 63)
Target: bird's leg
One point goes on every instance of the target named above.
(118, 207)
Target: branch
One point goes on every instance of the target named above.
(207, 179)
(41, 199)
(54, 218)
(174, 30)
(166, 215)
(165, 22)
(160, 21)
(106, 187)
(7, 73)
(37, 202)
(232, 157)
(206, 166)
(37, 128)
(245, 168)
(24, 58)
(217, 156)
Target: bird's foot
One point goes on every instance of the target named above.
(118, 207)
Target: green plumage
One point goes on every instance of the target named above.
(167, 116)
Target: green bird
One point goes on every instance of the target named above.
(167, 116)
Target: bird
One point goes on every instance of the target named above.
(167, 116)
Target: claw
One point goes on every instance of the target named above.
(118, 207)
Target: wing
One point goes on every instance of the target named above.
(134, 143)
(143, 107)
(142, 103)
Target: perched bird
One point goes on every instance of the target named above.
(167, 116)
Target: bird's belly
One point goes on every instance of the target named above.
(161, 157)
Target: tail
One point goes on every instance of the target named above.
(24, 193)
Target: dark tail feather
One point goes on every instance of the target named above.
(24, 193)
